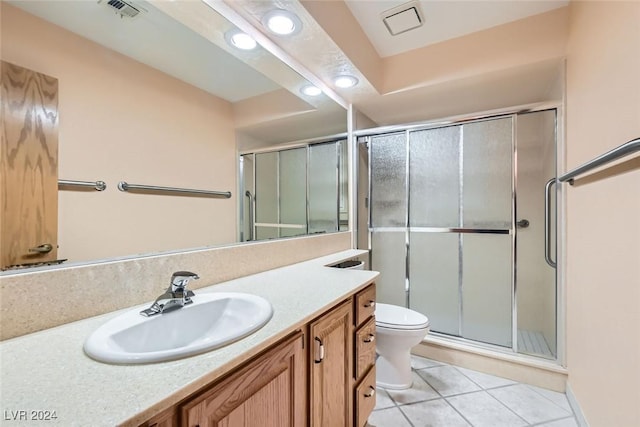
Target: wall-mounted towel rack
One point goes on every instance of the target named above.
(96, 185)
(125, 186)
(618, 152)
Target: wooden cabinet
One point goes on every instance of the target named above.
(364, 370)
(365, 348)
(268, 392)
(365, 398)
(330, 388)
(167, 418)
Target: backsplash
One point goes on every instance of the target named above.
(38, 300)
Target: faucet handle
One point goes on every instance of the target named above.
(180, 279)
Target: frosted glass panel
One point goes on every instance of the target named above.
(267, 188)
(323, 188)
(263, 233)
(487, 171)
(535, 279)
(389, 180)
(388, 256)
(435, 177)
(434, 273)
(486, 288)
(293, 191)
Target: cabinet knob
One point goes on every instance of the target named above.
(370, 338)
(371, 393)
(371, 303)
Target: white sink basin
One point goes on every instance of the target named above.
(213, 320)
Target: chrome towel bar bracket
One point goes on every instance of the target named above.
(96, 185)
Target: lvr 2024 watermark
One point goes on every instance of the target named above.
(29, 415)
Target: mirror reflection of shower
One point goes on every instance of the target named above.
(458, 226)
(294, 191)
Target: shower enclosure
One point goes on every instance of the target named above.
(461, 228)
(293, 191)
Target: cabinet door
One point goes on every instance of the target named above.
(28, 167)
(331, 362)
(268, 392)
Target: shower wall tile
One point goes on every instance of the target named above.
(37, 300)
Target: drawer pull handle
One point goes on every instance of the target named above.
(320, 357)
(371, 304)
(370, 338)
(371, 393)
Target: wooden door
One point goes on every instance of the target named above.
(28, 166)
(331, 361)
(268, 392)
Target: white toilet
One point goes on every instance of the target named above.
(397, 330)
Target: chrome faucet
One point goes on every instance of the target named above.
(176, 296)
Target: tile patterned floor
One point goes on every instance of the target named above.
(447, 396)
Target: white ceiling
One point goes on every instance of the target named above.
(158, 41)
(443, 20)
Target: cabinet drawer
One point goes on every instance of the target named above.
(365, 348)
(365, 304)
(365, 398)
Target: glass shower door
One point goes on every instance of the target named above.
(460, 251)
(388, 216)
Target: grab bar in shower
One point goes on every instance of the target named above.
(251, 216)
(96, 185)
(625, 149)
(547, 223)
(125, 186)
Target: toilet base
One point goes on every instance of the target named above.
(394, 371)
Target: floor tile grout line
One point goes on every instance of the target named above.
(554, 420)
(542, 395)
(459, 413)
(406, 417)
(508, 408)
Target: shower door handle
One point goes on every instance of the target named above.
(547, 225)
(251, 215)
(523, 223)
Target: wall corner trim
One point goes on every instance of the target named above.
(575, 405)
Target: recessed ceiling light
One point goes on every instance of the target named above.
(282, 22)
(311, 90)
(237, 38)
(345, 81)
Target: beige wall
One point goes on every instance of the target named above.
(603, 235)
(122, 120)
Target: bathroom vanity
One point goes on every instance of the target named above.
(323, 372)
(311, 364)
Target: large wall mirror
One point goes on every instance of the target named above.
(149, 93)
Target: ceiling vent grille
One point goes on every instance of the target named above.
(403, 18)
(123, 8)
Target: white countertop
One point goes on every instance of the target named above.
(48, 370)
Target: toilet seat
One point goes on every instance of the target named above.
(401, 318)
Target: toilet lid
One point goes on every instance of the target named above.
(396, 317)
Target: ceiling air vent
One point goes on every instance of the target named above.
(403, 18)
(123, 8)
